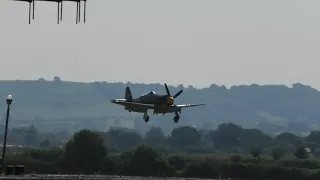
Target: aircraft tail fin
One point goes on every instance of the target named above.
(128, 95)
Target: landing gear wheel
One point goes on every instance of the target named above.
(176, 119)
(146, 119)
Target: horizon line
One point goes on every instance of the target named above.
(186, 86)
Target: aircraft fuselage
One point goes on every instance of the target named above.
(159, 103)
(151, 99)
(158, 100)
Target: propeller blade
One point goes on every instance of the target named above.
(177, 94)
(168, 92)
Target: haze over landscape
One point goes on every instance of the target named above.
(254, 64)
(198, 43)
(178, 42)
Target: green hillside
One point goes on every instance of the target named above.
(270, 106)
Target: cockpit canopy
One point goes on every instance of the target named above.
(148, 93)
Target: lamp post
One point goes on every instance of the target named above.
(9, 101)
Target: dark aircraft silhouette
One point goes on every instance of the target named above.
(160, 103)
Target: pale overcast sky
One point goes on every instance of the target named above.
(196, 42)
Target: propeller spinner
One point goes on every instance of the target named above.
(170, 99)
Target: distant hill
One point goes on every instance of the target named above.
(269, 107)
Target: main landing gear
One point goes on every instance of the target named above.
(176, 117)
(145, 117)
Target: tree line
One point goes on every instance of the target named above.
(227, 138)
(227, 152)
(55, 106)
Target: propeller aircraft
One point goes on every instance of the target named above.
(160, 103)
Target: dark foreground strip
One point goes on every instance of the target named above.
(88, 177)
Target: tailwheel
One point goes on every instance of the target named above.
(176, 119)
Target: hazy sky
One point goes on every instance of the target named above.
(196, 42)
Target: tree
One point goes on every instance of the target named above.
(56, 79)
(51, 155)
(177, 162)
(85, 152)
(277, 153)
(288, 138)
(155, 136)
(26, 135)
(147, 162)
(301, 153)
(123, 139)
(312, 146)
(185, 136)
(256, 152)
(45, 143)
(316, 153)
(314, 136)
(155, 132)
(235, 158)
(227, 136)
(41, 80)
(255, 137)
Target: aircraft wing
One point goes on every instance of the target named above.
(188, 105)
(150, 106)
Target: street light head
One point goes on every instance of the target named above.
(9, 99)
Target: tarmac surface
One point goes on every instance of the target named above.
(88, 177)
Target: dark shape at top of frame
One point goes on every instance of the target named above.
(60, 5)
